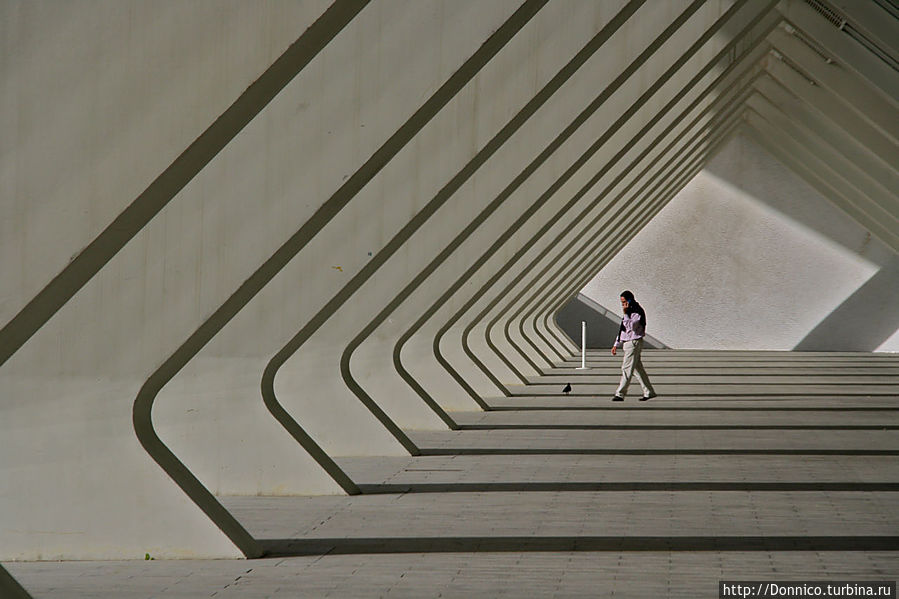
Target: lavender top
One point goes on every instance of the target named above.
(633, 329)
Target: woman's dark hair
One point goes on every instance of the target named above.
(633, 306)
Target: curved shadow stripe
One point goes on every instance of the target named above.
(584, 189)
(479, 293)
(665, 77)
(544, 290)
(173, 179)
(403, 135)
(628, 226)
(153, 199)
(144, 402)
(536, 302)
(578, 121)
(558, 241)
(631, 225)
(538, 100)
(337, 546)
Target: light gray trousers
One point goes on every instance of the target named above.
(632, 364)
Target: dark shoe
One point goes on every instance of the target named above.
(617, 398)
(650, 396)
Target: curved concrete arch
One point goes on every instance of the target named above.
(554, 84)
(838, 189)
(654, 193)
(535, 320)
(183, 527)
(842, 84)
(856, 203)
(558, 356)
(876, 73)
(471, 392)
(487, 160)
(657, 199)
(506, 293)
(611, 89)
(880, 204)
(537, 304)
(271, 268)
(101, 333)
(444, 195)
(584, 220)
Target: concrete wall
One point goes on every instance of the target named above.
(601, 324)
(276, 233)
(137, 314)
(749, 256)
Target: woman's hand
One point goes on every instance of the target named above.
(614, 350)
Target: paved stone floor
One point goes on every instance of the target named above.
(646, 574)
(552, 496)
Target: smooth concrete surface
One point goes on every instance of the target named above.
(499, 311)
(814, 498)
(600, 322)
(327, 246)
(140, 82)
(456, 574)
(748, 257)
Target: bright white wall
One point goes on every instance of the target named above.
(746, 256)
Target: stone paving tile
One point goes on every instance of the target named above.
(549, 418)
(850, 377)
(754, 388)
(599, 468)
(556, 401)
(560, 514)
(783, 357)
(707, 440)
(448, 575)
(661, 368)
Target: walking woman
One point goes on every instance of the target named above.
(630, 339)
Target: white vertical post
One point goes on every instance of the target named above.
(583, 346)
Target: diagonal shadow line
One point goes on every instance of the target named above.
(609, 132)
(450, 323)
(559, 239)
(546, 305)
(867, 333)
(338, 546)
(535, 103)
(490, 47)
(143, 403)
(620, 223)
(619, 486)
(594, 147)
(629, 225)
(521, 252)
(164, 188)
(821, 173)
(660, 81)
(10, 588)
(548, 90)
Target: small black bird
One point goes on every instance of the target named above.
(567, 389)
